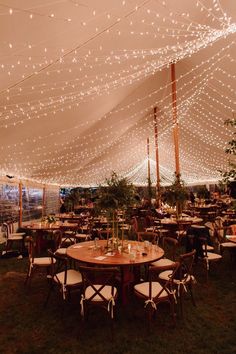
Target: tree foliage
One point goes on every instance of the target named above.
(117, 193)
(176, 193)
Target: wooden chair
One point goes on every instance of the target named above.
(153, 292)
(84, 232)
(12, 238)
(147, 236)
(62, 276)
(225, 245)
(208, 257)
(36, 263)
(105, 234)
(170, 245)
(99, 290)
(68, 234)
(183, 279)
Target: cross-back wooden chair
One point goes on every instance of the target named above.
(13, 238)
(147, 236)
(99, 290)
(36, 263)
(208, 257)
(154, 292)
(69, 231)
(170, 246)
(183, 278)
(63, 276)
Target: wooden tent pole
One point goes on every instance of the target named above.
(158, 194)
(20, 204)
(149, 170)
(44, 201)
(148, 157)
(175, 120)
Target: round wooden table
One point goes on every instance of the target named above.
(128, 260)
(87, 252)
(40, 229)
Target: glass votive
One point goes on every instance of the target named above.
(129, 247)
(132, 257)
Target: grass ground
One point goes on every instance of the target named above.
(27, 327)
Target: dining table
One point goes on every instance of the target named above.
(42, 228)
(128, 257)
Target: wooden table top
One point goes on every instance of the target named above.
(53, 226)
(184, 220)
(43, 226)
(87, 253)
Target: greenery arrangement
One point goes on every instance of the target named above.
(202, 192)
(117, 193)
(176, 194)
(230, 175)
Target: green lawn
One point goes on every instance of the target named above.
(27, 327)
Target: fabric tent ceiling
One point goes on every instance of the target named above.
(80, 80)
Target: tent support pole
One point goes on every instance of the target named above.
(158, 190)
(20, 205)
(175, 121)
(44, 201)
(149, 170)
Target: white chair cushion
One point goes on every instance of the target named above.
(83, 236)
(17, 234)
(210, 248)
(43, 261)
(14, 237)
(73, 277)
(61, 251)
(228, 244)
(143, 289)
(163, 262)
(213, 256)
(167, 273)
(106, 292)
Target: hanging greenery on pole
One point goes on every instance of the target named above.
(230, 175)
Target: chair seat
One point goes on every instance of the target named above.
(163, 262)
(15, 237)
(213, 256)
(61, 251)
(106, 292)
(167, 273)
(83, 236)
(228, 244)
(67, 240)
(69, 232)
(42, 261)
(17, 234)
(73, 277)
(210, 248)
(143, 289)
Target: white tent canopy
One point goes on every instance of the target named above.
(80, 80)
